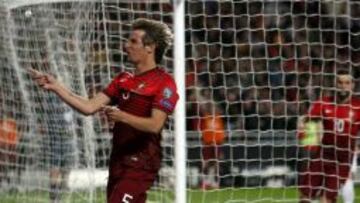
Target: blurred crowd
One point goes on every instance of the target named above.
(257, 64)
(263, 63)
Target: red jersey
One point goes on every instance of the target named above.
(134, 150)
(341, 125)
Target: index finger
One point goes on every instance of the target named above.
(34, 72)
(109, 108)
(106, 108)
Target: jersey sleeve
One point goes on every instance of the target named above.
(166, 97)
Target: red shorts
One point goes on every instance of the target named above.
(323, 177)
(211, 152)
(127, 191)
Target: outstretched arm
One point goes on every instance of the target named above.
(81, 104)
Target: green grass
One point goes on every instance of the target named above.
(235, 195)
(226, 195)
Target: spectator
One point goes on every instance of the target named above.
(213, 135)
(8, 143)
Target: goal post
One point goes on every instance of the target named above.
(180, 112)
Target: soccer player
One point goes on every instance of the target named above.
(330, 168)
(55, 127)
(142, 100)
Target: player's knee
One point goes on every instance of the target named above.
(331, 196)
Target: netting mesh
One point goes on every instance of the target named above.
(81, 44)
(252, 68)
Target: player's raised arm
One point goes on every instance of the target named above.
(79, 103)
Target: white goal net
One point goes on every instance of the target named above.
(79, 42)
(252, 68)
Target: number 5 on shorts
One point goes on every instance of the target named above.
(126, 198)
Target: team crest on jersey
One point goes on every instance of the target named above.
(141, 85)
(167, 93)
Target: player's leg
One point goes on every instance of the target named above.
(332, 186)
(347, 191)
(325, 199)
(62, 158)
(310, 181)
(127, 191)
(335, 176)
(55, 183)
(52, 146)
(67, 160)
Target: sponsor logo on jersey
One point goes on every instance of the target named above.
(141, 85)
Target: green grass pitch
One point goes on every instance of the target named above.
(225, 195)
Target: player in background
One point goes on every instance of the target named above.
(55, 126)
(330, 166)
(55, 122)
(142, 102)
